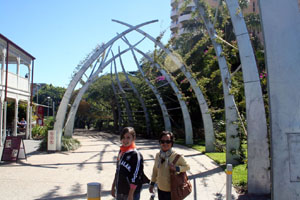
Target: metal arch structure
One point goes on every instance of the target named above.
(62, 109)
(63, 106)
(257, 137)
(123, 94)
(138, 96)
(166, 117)
(184, 109)
(120, 119)
(258, 151)
(69, 125)
(61, 113)
(206, 117)
(231, 115)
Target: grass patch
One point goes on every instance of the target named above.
(199, 145)
(239, 174)
(218, 157)
(198, 148)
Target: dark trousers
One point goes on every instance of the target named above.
(162, 195)
(136, 196)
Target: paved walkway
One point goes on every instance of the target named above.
(65, 175)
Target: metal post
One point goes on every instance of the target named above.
(53, 108)
(48, 106)
(228, 181)
(48, 109)
(37, 93)
(93, 191)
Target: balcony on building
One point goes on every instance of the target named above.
(174, 14)
(174, 26)
(174, 2)
(189, 6)
(19, 70)
(15, 85)
(185, 17)
(182, 31)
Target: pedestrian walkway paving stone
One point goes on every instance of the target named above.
(65, 175)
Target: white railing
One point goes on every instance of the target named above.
(16, 82)
(183, 18)
(174, 13)
(174, 25)
(173, 1)
(191, 4)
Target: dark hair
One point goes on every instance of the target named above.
(127, 130)
(163, 133)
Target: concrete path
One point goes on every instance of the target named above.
(65, 175)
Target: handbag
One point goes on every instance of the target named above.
(180, 185)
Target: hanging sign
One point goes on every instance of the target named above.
(40, 111)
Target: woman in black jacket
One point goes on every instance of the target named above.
(128, 178)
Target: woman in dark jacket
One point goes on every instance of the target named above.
(128, 178)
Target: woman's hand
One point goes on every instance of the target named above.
(130, 197)
(151, 187)
(113, 191)
(172, 167)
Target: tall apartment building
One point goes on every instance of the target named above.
(178, 19)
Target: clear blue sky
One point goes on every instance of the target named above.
(60, 33)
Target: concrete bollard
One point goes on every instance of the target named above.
(93, 191)
(228, 181)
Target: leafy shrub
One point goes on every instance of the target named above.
(68, 144)
(39, 132)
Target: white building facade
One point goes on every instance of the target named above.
(179, 17)
(14, 87)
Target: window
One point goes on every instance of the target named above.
(253, 6)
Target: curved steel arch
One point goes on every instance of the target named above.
(207, 121)
(69, 126)
(61, 112)
(120, 119)
(138, 96)
(183, 106)
(123, 94)
(231, 115)
(258, 151)
(162, 105)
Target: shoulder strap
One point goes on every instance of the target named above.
(175, 159)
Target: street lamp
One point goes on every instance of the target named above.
(48, 105)
(53, 108)
(37, 93)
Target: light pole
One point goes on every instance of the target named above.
(37, 93)
(53, 108)
(48, 105)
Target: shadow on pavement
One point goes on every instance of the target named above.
(254, 197)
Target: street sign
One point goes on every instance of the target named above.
(51, 140)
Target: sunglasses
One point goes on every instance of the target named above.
(165, 141)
